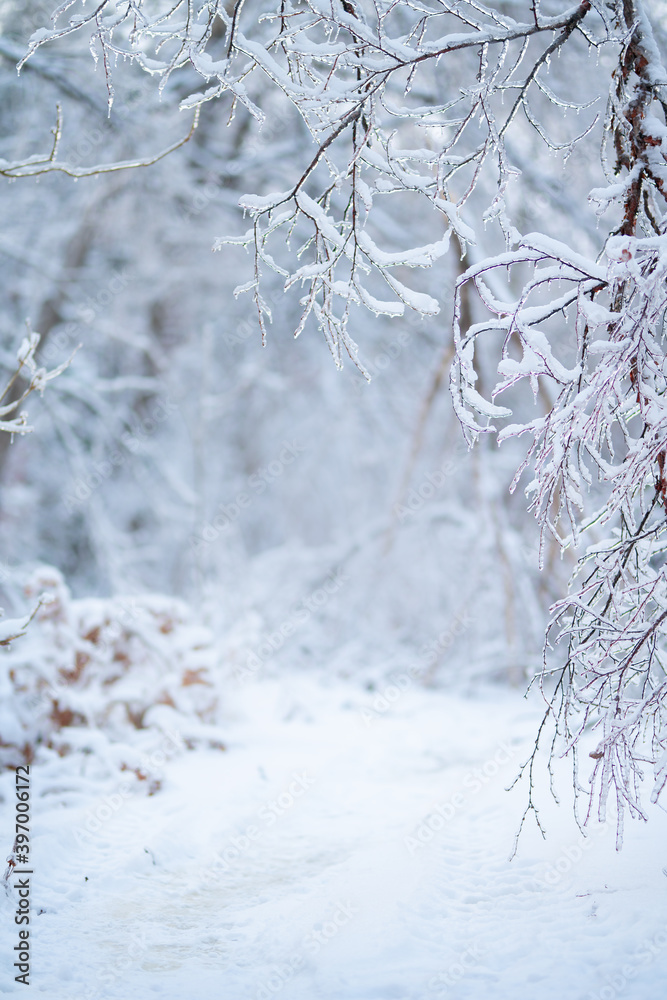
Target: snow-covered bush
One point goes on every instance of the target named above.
(115, 678)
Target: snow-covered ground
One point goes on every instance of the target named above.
(334, 853)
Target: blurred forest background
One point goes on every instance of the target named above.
(176, 455)
(305, 577)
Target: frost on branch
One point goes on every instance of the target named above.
(367, 81)
(37, 379)
(598, 454)
(408, 104)
(418, 104)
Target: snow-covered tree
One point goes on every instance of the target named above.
(428, 124)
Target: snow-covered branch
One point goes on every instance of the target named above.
(420, 104)
(34, 166)
(366, 80)
(37, 379)
(604, 436)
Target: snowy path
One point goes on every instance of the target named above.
(311, 861)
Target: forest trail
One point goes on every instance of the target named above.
(330, 854)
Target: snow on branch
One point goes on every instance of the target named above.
(37, 379)
(365, 79)
(34, 166)
(598, 455)
(414, 104)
